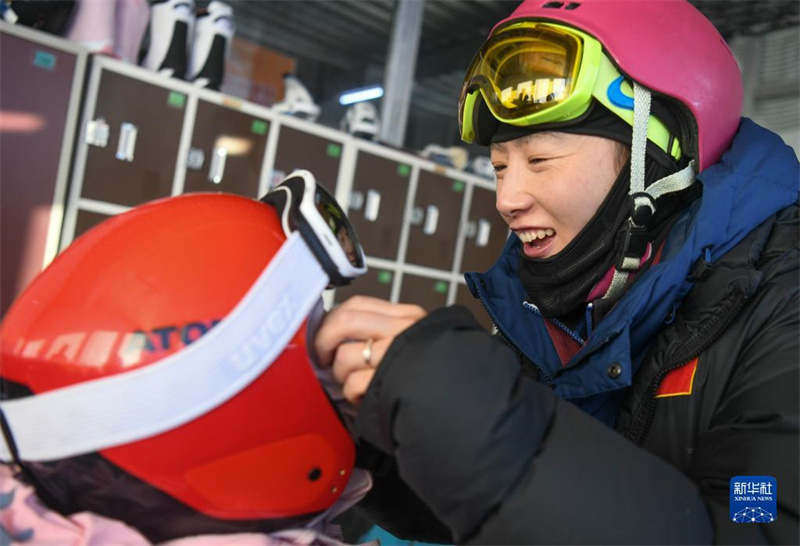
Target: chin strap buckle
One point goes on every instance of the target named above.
(643, 208)
(633, 247)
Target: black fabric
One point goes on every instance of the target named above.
(742, 418)
(214, 66)
(484, 123)
(401, 510)
(669, 207)
(493, 427)
(591, 486)
(560, 285)
(94, 484)
(596, 121)
(51, 16)
(667, 483)
(177, 57)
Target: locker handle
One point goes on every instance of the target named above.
(373, 205)
(470, 229)
(356, 200)
(217, 170)
(431, 220)
(127, 141)
(97, 133)
(416, 216)
(195, 159)
(484, 229)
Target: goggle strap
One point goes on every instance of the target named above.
(141, 403)
(641, 115)
(677, 181)
(640, 196)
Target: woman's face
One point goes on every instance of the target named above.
(549, 185)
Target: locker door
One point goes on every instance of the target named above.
(464, 297)
(303, 150)
(375, 282)
(144, 122)
(226, 152)
(434, 222)
(36, 98)
(485, 232)
(426, 292)
(377, 202)
(87, 220)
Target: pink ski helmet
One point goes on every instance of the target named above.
(667, 46)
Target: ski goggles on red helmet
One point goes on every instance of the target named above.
(164, 388)
(306, 206)
(534, 73)
(321, 249)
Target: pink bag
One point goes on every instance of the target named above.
(110, 27)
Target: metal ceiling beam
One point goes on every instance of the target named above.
(343, 10)
(437, 11)
(444, 108)
(444, 103)
(749, 17)
(400, 66)
(380, 11)
(482, 12)
(309, 21)
(424, 102)
(285, 41)
(455, 58)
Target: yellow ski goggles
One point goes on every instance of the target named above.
(533, 72)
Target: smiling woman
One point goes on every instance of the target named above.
(654, 228)
(562, 191)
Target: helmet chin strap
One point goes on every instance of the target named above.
(643, 200)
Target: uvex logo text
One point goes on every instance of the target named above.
(263, 339)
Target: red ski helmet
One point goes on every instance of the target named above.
(200, 284)
(667, 46)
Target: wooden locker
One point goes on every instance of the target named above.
(226, 152)
(377, 201)
(435, 220)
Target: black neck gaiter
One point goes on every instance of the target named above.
(559, 284)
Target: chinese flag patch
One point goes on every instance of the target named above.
(679, 381)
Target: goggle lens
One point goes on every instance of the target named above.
(524, 69)
(306, 206)
(339, 225)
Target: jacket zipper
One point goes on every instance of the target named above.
(651, 401)
(513, 347)
(560, 325)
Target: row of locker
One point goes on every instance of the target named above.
(143, 137)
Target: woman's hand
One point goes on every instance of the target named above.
(354, 337)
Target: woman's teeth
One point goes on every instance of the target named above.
(534, 234)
